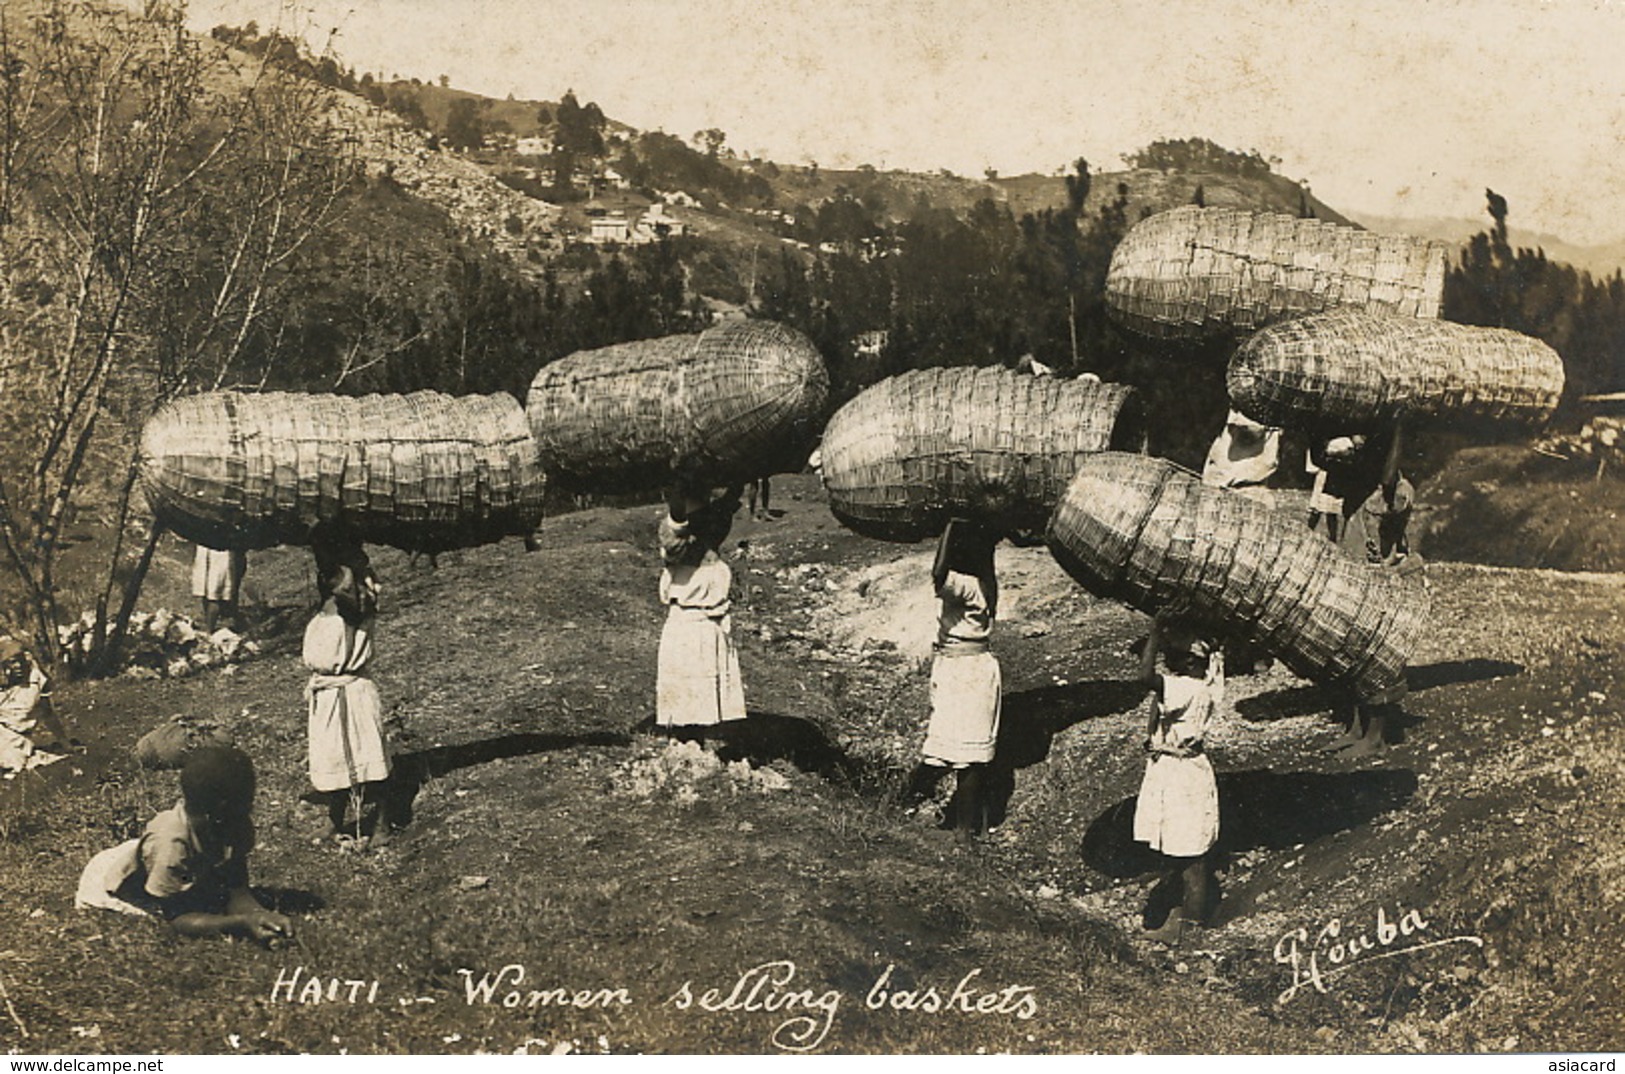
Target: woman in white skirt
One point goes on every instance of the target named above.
(349, 761)
(966, 686)
(1178, 810)
(698, 689)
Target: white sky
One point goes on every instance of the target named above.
(1394, 107)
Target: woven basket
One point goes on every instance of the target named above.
(1349, 370)
(1195, 272)
(742, 400)
(422, 472)
(1148, 533)
(910, 452)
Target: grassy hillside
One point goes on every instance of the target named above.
(549, 833)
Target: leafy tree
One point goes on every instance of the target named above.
(657, 160)
(1199, 155)
(1077, 187)
(712, 139)
(578, 134)
(404, 102)
(842, 220)
(1582, 318)
(465, 124)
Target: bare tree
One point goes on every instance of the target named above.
(153, 199)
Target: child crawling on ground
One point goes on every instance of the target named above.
(190, 866)
(1178, 809)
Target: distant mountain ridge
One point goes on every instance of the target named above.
(1600, 261)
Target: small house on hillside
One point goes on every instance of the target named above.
(612, 227)
(656, 223)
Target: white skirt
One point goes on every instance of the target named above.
(966, 698)
(1178, 810)
(347, 736)
(697, 680)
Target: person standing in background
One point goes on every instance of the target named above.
(217, 580)
(764, 486)
(1244, 456)
(25, 708)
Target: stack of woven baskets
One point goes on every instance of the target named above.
(427, 472)
(735, 402)
(1350, 371)
(423, 471)
(1346, 336)
(1148, 533)
(1194, 272)
(910, 452)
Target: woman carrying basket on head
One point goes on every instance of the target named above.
(966, 683)
(698, 689)
(1177, 813)
(349, 760)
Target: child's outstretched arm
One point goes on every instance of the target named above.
(244, 917)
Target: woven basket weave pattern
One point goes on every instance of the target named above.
(735, 402)
(1146, 532)
(1351, 370)
(908, 453)
(1192, 272)
(423, 471)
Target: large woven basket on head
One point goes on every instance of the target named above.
(1194, 272)
(1148, 533)
(423, 472)
(1350, 370)
(742, 400)
(908, 453)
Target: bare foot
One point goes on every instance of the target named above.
(1369, 746)
(1343, 741)
(1172, 930)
